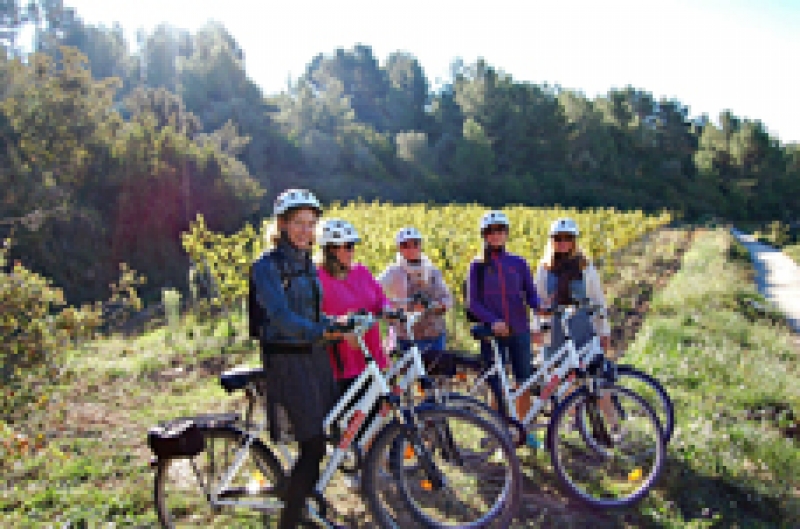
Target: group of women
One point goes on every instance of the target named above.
(301, 299)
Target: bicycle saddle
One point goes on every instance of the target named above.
(239, 377)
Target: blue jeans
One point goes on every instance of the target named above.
(515, 350)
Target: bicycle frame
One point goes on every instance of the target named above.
(406, 370)
(561, 367)
(350, 418)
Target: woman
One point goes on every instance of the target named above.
(563, 274)
(292, 335)
(349, 287)
(564, 268)
(413, 275)
(500, 292)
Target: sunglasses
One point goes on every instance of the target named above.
(498, 228)
(563, 238)
(413, 243)
(347, 246)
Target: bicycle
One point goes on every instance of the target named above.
(625, 375)
(632, 419)
(407, 370)
(251, 479)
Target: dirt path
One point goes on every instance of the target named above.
(777, 277)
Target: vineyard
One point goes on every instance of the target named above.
(451, 238)
(76, 453)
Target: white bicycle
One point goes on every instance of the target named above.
(421, 467)
(605, 441)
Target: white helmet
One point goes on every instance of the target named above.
(564, 225)
(491, 218)
(295, 198)
(338, 231)
(409, 233)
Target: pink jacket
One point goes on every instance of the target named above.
(359, 290)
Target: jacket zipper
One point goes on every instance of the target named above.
(502, 279)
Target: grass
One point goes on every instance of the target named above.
(793, 251)
(732, 373)
(731, 370)
(92, 466)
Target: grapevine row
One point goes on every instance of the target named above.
(451, 236)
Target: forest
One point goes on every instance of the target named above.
(109, 149)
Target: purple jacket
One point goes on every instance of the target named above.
(508, 292)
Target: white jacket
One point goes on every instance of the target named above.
(594, 291)
(401, 280)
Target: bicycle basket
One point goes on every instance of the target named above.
(182, 438)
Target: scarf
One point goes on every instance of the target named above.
(416, 273)
(566, 269)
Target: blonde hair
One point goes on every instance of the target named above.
(271, 233)
(548, 258)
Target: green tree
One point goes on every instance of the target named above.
(474, 158)
(356, 75)
(408, 93)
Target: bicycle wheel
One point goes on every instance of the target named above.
(183, 485)
(622, 457)
(475, 477)
(653, 392)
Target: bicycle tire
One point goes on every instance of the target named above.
(664, 409)
(560, 419)
(170, 516)
(499, 514)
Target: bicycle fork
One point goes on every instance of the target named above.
(434, 476)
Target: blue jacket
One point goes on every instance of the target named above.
(291, 313)
(508, 291)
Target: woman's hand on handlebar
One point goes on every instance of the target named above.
(332, 336)
(500, 328)
(417, 307)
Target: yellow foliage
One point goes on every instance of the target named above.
(451, 236)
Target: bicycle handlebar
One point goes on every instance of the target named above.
(561, 309)
(359, 322)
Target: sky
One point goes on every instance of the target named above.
(711, 55)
